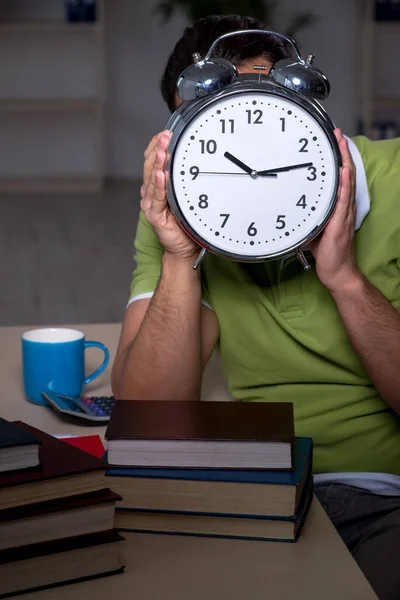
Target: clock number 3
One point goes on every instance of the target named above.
(313, 175)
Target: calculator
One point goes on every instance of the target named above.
(96, 409)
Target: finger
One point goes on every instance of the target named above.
(159, 198)
(345, 197)
(152, 144)
(342, 206)
(347, 159)
(154, 141)
(147, 188)
(349, 164)
(153, 194)
(161, 144)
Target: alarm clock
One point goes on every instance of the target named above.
(253, 163)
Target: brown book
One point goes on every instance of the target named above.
(52, 564)
(249, 492)
(57, 519)
(64, 471)
(211, 525)
(202, 434)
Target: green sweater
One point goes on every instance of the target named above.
(282, 338)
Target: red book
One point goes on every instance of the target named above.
(91, 444)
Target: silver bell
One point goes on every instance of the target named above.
(205, 77)
(301, 77)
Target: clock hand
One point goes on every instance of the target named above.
(240, 164)
(284, 169)
(227, 173)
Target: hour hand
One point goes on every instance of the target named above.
(239, 163)
(246, 168)
(284, 169)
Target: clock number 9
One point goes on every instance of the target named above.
(203, 201)
(252, 231)
(194, 171)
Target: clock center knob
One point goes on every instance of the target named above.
(254, 174)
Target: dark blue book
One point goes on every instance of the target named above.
(19, 449)
(267, 528)
(216, 491)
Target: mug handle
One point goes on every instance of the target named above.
(104, 364)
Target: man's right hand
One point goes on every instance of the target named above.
(154, 201)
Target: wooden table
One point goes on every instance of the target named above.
(177, 567)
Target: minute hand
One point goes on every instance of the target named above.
(283, 169)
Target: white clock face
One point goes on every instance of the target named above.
(220, 181)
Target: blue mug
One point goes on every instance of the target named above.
(54, 359)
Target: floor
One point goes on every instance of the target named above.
(67, 258)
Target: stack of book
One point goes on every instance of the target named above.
(56, 513)
(221, 469)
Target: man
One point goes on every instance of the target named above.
(327, 340)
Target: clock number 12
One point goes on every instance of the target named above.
(254, 117)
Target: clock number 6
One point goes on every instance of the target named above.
(203, 201)
(252, 231)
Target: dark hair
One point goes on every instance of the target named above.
(204, 32)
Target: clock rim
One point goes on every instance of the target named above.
(188, 111)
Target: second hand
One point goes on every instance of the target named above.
(225, 173)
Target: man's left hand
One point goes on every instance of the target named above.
(333, 250)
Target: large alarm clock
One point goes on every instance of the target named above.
(253, 168)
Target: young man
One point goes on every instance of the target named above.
(327, 340)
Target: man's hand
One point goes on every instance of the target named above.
(154, 201)
(333, 250)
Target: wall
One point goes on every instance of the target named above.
(333, 39)
(138, 46)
